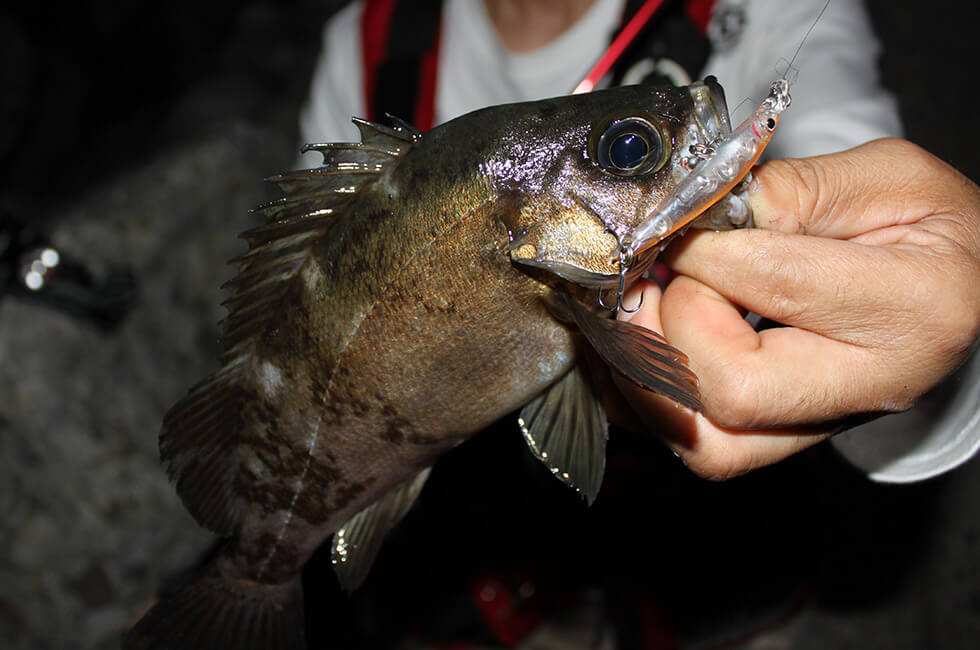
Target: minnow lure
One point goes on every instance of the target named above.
(716, 168)
(712, 178)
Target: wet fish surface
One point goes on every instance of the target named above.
(400, 298)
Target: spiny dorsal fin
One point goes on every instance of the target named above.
(566, 429)
(395, 140)
(201, 434)
(345, 169)
(404, 127)
(319, 181)
(339, 153)
(356, 543)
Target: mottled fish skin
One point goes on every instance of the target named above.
(418, 314)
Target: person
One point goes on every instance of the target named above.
(866, 248)
(530, 49)
(500, 51)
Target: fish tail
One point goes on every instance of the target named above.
(214, 612)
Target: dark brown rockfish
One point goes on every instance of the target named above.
(401, 297)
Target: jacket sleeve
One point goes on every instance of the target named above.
(941, 432)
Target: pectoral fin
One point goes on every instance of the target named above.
(356, 543)
(641, 355)
(566, 429)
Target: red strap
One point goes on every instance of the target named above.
(618, 46)
(699, 11)
(499, 606)
(655, 626)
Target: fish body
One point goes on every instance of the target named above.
(400, 298)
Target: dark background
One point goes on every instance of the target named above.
(91, 88)
(91, 91)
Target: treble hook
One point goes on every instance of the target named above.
(625, 258)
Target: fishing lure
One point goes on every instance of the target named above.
(713, 177)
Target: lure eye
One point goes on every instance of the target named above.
(629, 147)
(770, 124)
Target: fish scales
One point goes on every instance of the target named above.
(382, 317)
(413, 394)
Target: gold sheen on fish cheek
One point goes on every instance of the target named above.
(400, 298)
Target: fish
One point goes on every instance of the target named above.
(407, 293)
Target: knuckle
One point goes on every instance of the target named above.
(899, 147)
(945, 312)
(916, 174)
(781, 307)
(900, 401)
(716, 467)
(880, 158)
(958, 318)
(735, 398)
(776, 297)
(807, 182)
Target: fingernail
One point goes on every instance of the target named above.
(753, 193)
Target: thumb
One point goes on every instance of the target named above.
(842, 195)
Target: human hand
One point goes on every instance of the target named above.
(871, 257)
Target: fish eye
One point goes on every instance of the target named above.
(629, 147)
(628, 150)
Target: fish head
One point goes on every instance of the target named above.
(577, 173)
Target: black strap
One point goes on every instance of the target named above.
(415, 25)
(671, 35)
(413, 29)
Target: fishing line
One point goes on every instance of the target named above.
(805, 36)
(784, 72)
(738, 106)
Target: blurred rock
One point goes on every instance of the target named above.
(90, 525)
